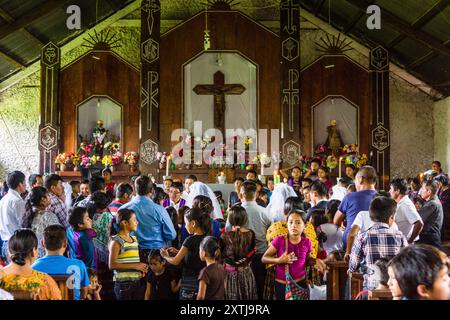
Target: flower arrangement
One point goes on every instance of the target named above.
(117, 158)
(112, 147)
(94, 159)
(62, 158)
(362, 160)
(248, 140)
(86, 148)
(321, 148)
(262, 159)
(162, 159)
(85, 161)
(131, 158)
(332, 162)
(350, 148)
(107, 160)
(76, 160)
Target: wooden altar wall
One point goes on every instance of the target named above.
(230, 31)
(347, 79)
(106, 75)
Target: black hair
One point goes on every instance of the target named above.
(308, 180)
(263, 193)
(96, 184)
(383, 193)
(369, 174)
(54, 237)
(382, 264)
(249, 188)
(32, 179)
(158, 195)
(382, 208)
(345, 181)
(168, 179)
(352, 166)
(293, 203)
(324, 169)
(351, 187)
(270, 178)
(296, 167)
(315, 160)
(253, 172)
(338, 255)
(318, 217)
(143, 185)
(319, 187)
(218, 194)
(85, 181)
(204, 203)
(258, 182)
(21, 245)
(155, 254)
(106, 170)
(437, 163)
(122, 215)
(124, 188)
(74, 183)
(200, 217)
(180, 214)
(238, 179)
(173, 214)
(400, 185)
(210, 245)
(14, 179)
(301, 213)
(332, 208)
(52, 180)
(76, 216)
(92, 273)
(432, 185)
(442, 178)
(416, 265)
(34, 200)
(177, 185)
(99, 201)
(192, 177)
(238, 217)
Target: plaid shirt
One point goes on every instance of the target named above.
(58, 207)
(377, 242)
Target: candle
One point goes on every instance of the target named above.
(167, 166)
(262, 169)
(276, 177)
(340, 163)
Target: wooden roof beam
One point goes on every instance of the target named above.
(405, 28)
(319, 6)
(11, 60)
(6, 16)
(352, 24)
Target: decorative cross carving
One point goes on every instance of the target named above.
(290, 8)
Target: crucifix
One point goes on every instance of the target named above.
(219, 89)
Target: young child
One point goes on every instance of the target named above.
(350, 171)
(263, 195)
(198, 224)
(162, 282)
(94, 287)
(419, 272)
(333, 234)
(238, 247)
(296, 256)
(322, 173)
(182, 232)
(109, 184)
(312, 173)
(212, 277)
(377, 279)
(75, 189)
(124, 258)
(339, 191)
(222, 204)
(295, 179)
(80, 237)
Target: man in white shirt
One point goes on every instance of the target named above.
(407, 218)
(259, 220)
(188, 181)
(12, 208)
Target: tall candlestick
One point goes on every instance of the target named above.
(276, 177)
(340, 163)
(167, 166)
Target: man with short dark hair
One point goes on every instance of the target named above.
(251, 175)
(175, 200)
(318, 195)
(95, 184)
(379, 240)
(35, 180)
(83, 194)
(54, 262)
(432, 215)
(123, 195)
(12, 208)
(407, 218)
(155, 227)
(54, 186)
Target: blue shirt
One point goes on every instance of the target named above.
(58, 264)
(155, 227)
(352, 204)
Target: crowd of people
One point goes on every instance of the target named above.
(182, 240)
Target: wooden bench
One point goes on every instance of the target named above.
(380, 294)
(336, 280)
(23, 295)
(66, 292)
(356, 284)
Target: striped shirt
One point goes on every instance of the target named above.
(129, 253)
(377, 242)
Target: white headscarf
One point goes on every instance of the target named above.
(199, 188)
(279, 195)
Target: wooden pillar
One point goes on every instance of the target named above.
(379, 116)
(290, 81)
(49, 113)
(149, 115)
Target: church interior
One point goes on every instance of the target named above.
(221, 90)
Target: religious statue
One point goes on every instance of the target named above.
(99, 135)
(334, 141)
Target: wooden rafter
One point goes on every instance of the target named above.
(11, 60)
(33, 37)
(319, 6)
(405, 28)
(423, 20)
(30, 17)
(360, 14)
(6, 16)
(420, 61)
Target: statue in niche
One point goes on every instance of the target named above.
(334, 140)
(99, 134)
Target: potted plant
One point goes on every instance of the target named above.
(131, 158)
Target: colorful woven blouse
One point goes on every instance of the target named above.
(129, 253)
(37, 282)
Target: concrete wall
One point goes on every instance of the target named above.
(442, 133)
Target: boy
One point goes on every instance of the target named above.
(162, 282)
(80, 237)
(340, 190)
(54, 262)
(379, 240)
(124, 193)
(313, 172)
(167, 183)
(75, 189)
(94, 288)
(421, 273)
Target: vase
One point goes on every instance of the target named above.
(76, 168)
(62, 167)
(112, 168)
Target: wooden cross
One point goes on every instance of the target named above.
(219, 89)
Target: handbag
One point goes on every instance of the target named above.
(293, 290)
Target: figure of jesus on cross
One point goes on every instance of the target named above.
(219, 89)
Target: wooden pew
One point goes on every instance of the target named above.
(336, 279)
(61, 280)
(356, 284)
(23, 295)
(380, 294)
